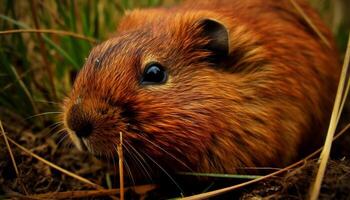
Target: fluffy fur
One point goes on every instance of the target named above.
(267, 105)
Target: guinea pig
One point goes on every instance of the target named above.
(208, 86)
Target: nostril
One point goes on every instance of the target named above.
(79, 122)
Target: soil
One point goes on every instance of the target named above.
(36, 177)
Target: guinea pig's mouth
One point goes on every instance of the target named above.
(94, 143)
(80, 143)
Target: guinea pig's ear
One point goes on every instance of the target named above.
(218, 37)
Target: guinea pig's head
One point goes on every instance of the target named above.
(164, 86)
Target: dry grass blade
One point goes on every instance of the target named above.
(230, 188)
(309, 22)
(121, 170)
(9, 149)
(11, 156)
(344, 100)
(43, 49)
(25, 89)
(315, 189)
(68, 173)
(141, 190)
(57, 32)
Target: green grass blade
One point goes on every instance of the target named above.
(62, 52)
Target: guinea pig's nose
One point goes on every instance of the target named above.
(79, 122)
(83, 128)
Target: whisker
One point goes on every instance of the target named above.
(68, 144)
(59, 122)
(130, 155)
(171, 155)
(54, 126)
(109, 156)
(112, 155)
(62, 138)
(138, 156)
(59, 132)
(113, 162)
(49, 102)
(171, 178)
(41, 114)
(127, 167)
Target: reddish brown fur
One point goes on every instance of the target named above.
(271, 105)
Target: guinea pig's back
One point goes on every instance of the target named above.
(294, 65)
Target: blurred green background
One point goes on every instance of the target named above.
(37, 70)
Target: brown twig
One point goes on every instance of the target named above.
(121, 170)
(57, 32)
(12, 158)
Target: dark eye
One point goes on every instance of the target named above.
(154, 74)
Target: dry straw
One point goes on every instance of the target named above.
(12, 157)
(68, 173)
(51, 31)
(141, 190)
(121, 169)
(339, 102)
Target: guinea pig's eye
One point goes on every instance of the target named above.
(154, 74)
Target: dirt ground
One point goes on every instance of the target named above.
(38, 178)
